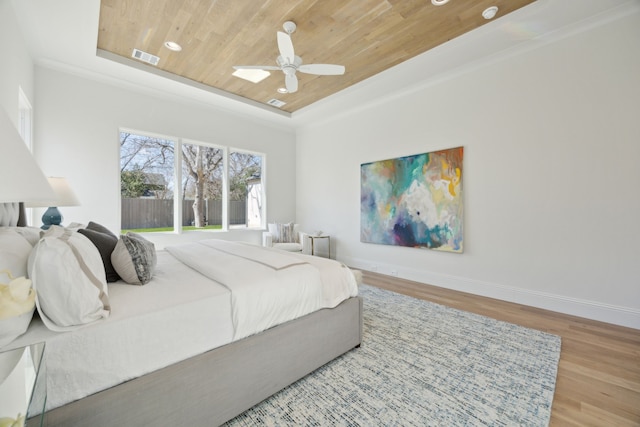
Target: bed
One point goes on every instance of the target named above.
(176, 351)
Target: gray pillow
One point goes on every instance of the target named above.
(100, 228)
(134, 259)
(106, 243)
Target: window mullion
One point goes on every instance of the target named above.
(177, 192)
(225, 188)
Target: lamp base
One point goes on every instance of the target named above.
(52, 216)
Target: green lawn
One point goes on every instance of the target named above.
(184, 228)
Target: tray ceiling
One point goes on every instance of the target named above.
(366, 36)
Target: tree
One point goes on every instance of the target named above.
(132, 183)
(146, 165)
(242, 168)
(145, 153)
(201, 164)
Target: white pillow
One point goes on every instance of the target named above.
(32, 234)
(134, 259)
(14, 252)
(69, 278)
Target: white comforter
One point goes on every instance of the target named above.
(268, 286)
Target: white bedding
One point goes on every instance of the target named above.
(179, 314)
(182, 313)
(268, 286)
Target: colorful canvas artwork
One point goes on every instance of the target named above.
(414, 201)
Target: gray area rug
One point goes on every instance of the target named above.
(423, 364)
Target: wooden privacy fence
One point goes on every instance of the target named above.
(156, 213)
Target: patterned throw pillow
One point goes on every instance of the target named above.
(134, 259)
(285, 233)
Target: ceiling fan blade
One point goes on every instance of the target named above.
(255, 67)
(322, 69)
(285, 46)
(291, 83)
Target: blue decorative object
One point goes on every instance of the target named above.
(52, 216)
(63, 196)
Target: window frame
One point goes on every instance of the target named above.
(177, 177)
(263, 193)
(177, 219)
(175, 141)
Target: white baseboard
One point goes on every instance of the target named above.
(608, 313)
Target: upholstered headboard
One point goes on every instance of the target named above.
(12, 214)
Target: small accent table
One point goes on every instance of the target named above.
(323, 236)
(23, 384)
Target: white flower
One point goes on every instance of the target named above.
(17, 297)
(20, 289)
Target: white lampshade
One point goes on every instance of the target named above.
(21, 179)
(64, 195)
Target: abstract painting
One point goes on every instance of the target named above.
(413, 201)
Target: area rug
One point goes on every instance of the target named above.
(423, 364)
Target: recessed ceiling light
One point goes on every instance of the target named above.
(173, 46)
(282, 90)
(490, 12)
(251, 74)
(439, 2)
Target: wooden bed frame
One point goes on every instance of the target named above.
(220, 384)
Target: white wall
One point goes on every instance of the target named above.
(16, 68)
(76, 136)
(551, 177)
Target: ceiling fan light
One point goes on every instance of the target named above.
(439, 2)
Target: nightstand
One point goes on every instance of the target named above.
(313, 242)
(23, 384)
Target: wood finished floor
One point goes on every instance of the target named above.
(598, 381)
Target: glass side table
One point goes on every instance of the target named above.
(313, 238)
(23, 385)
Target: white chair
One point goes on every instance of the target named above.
(286, 237)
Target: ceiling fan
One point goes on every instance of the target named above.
(289, 63)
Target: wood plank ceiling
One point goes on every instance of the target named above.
(366, 36)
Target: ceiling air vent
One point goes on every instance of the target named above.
(276, 102)
(146, 57)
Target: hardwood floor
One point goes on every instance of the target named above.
(598, 381)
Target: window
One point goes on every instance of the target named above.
(217, 187)
(203, 185)
(245, 189)
(26, 112)
(146, 182)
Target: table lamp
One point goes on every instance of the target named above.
(64, 196)
(21, 179)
